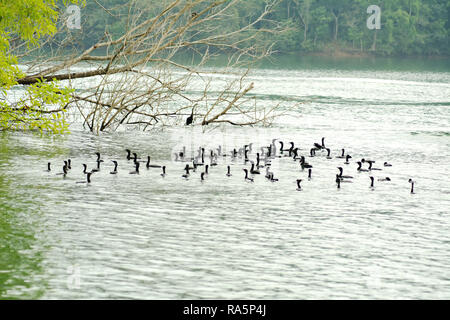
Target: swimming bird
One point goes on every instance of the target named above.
(48, 167)
(288, 150)
(304, 164)
(115, 167)
(85, 168)
(148, 165)
(202, 176)
(412, 185)
(384, 179)
(271, 178)
(281, 146)
(269, 151)
(309, 173)
(246, 176)
(136, 171)
(206, 169)
(346, 159)
(88, 178)
(228, 173)
(69, 167)
(359, 167)
(338, 182)
(186, 175)
(328, 153)
(246, 154)
(128, 154)
(258, 159)
(163, 174)
(268, 173)
(253, 170)
(312, 152)
(318, 146)
(299, 187)
(64, 173)
(199, 152)
(371, 181)
(202, 150)
(98, 157)
(386, 164)
(342, 156)
(291, 148)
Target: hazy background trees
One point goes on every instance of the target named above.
(408, 27)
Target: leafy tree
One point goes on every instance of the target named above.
(29, 21)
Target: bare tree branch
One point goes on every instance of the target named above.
(139, 78)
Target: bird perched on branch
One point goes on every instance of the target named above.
(190, 119)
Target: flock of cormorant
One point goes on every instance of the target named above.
(263, 160)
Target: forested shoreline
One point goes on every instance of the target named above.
(323, 27)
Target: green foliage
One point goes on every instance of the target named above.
(29, 112)
(29, 20)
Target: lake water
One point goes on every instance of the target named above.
(147, 237)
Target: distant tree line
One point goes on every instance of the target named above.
(408, 27)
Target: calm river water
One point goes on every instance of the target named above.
(148, 237)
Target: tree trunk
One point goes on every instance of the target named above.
(305, 24)
(304, 16)
(336, 27)
(374, 43)
(305, 32)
